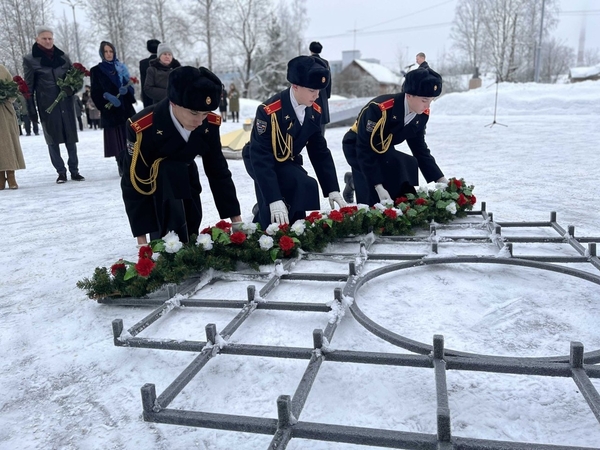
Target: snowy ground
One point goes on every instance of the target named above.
(65, 386)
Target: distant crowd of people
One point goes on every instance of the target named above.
(156, 148)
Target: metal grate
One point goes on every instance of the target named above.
(578, 365)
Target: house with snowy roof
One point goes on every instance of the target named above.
(584, 73)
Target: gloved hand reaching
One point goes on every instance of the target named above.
(236, 226)
(442, 180)
(112, 99)
(279, 212)
(384, 195)
(123, 90)
(335, 197)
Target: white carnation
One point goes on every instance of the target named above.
(265, 242)
(299, 227)
(272, 229)
(249, 228)
(172, 242)
(451, 207)
(363, 207)
(205, 241)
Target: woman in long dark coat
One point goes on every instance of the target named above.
(114, 97)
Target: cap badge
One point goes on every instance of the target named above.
(323, 80)
(209, 101)
(435, 87)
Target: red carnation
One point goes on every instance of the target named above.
(392, 214)
(349, 210)
(284, 227)
(145, 252)
(116, 267)
(207, 230)
(286, 243)
(144, 267)
(134, 80)
(472, 199)
(336, 216)
(457, 183)
(238, 237)
(224, 225)
(315, 215)
(462, 200)
(401, 200)
(421, 201)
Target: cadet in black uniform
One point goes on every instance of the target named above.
(284, 125)
(379, 172)
(161, 186)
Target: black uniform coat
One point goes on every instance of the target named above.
(324, 95)
(41, 73)
(395, 170)
(287, 180)
(175, 205)
(114, 116)
(144, 64)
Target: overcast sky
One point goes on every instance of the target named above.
(387, 29)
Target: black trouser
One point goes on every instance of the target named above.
(27, 122)
(235, 116)
(80, 123)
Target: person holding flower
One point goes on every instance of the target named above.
(11, 155)
(380, 173)
(42, 68)
(113, 95)
(161, 186)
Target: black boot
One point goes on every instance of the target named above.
(348, 193)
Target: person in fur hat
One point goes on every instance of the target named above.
(284, 125)
(161, 186)
(324, 94)
(157, 75)
(380, 174)
(152, 46)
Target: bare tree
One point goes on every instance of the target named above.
(208, 15)
(245, 23)
(591, 57)
(272, 78)
(291, 16)
(18, 19)
(113, 19)
(556, 59)
(467, 30)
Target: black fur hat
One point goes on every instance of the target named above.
(195, 89)
(152, 45)
(308, 72)
(423, 82)
(315, 47)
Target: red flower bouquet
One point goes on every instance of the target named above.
(72, 82)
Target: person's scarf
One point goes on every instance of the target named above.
(49, 52)
(115, 70)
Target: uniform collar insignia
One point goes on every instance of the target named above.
(159, 132)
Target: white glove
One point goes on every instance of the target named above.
(279, 212)
(236, 226)
(335, 197)
(442, 180)
(384, 196)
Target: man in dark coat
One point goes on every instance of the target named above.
(284, 125)
(161, 186)
(152, 46)
(324, 94)
(42, 67)
(421, 60)
(379, 172)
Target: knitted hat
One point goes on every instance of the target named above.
(43, 29)
(163, 48)
(152, 45)
(195, 89)
(308, 72)
(423, 82)
(315, 47)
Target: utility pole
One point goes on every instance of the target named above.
(72, 4)
(536, 76)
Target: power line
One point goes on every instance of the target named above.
(407, 15)
(393, 30)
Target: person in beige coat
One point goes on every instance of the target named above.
(11, 155)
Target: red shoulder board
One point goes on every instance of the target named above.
(273, 107)
(387, 104)
(317, 108)
(213, 118)
(426, 111)
(142, 123)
